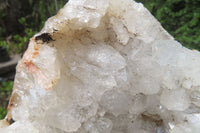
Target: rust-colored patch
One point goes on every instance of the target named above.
(32, 68)
(48, 88)
(36, 47)
(52, 84)
(12, 99)
(10, 103)
(35, 53)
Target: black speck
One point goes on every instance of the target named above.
(45, 37)
(12, 121)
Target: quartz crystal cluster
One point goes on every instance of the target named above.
(105, 66)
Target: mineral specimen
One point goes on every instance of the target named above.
(105, 66)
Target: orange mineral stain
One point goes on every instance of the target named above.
(32, 68)
(36, 47)
(35, 53)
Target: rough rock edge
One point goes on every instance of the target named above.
(47, 35)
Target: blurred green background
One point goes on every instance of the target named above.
(21, 19)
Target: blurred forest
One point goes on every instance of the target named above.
(21, 19)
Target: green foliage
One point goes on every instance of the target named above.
(6, 86)
(3, 112)
(31, 22)
(4, 44)
(5, 91)
(42, 10)
(20, 41)
(2, 41)
(22, 20)
(181, 18)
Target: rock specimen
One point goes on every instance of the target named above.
(105, 66)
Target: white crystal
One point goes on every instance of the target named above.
(105, 66)
(175, 99)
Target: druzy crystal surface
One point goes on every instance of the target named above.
(105, 66)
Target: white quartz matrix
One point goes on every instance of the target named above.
(105, 66)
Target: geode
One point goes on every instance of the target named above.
(105, 66)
